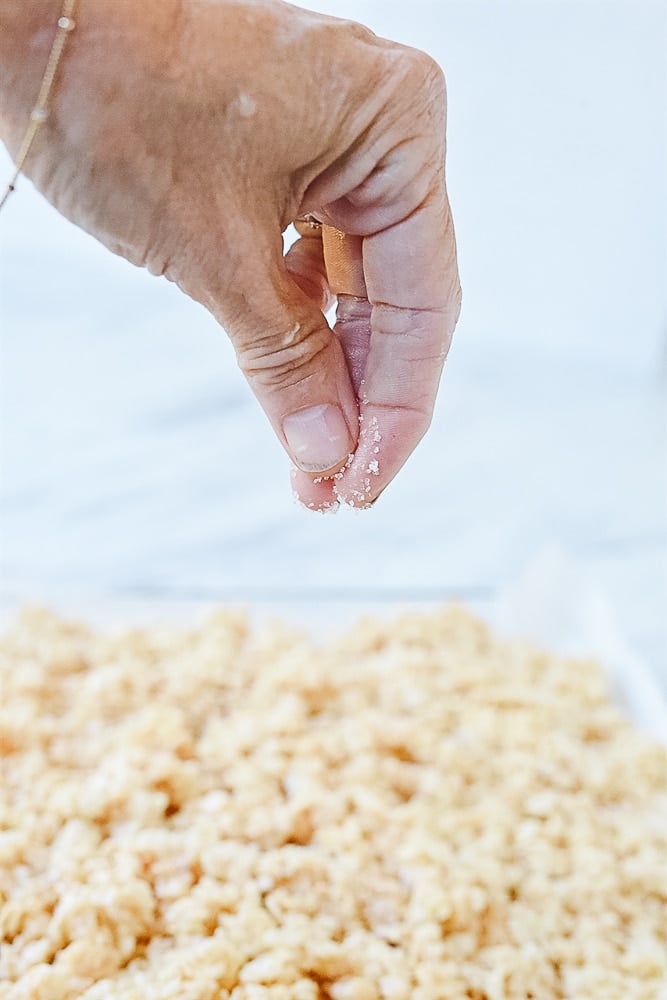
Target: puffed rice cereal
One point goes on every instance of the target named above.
(416, 811)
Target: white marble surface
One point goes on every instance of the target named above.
(134, 463)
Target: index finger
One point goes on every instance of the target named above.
(412, 284)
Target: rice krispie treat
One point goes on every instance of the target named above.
(417, 811)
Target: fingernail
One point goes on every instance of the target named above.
(318, 438)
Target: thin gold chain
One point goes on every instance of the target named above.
(40, 112)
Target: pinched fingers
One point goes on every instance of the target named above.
(393, 266)
(398, 302)
(414, 294)
(289, 355)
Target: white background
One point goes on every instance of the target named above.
(133, 460)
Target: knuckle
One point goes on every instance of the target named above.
(360, 32)
(280, 360)
(425, 73)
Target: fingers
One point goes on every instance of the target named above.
(396, 278)
(314, 493)
(343, 255)
(290, 357)
(398, 302)
(305, 263)
(344, 273)
(414, 294)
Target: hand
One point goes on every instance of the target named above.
(186, 136)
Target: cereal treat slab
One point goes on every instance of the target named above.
(417, 811)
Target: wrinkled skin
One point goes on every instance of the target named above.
(187, 134)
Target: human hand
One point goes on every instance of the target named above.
(187, 134)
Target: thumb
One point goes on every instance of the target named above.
(292, 360)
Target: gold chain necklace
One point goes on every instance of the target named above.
(40, 112)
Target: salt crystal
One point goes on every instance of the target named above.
(246, 105)
(291, 334)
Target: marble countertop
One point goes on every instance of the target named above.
(135, 464)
